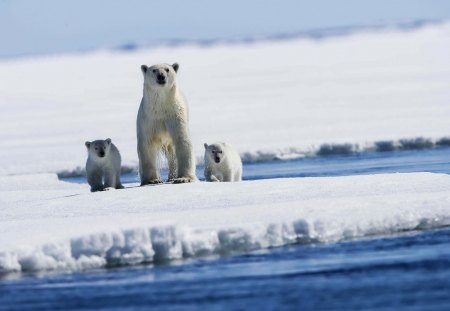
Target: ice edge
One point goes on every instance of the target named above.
(166, 243)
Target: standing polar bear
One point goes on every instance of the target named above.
(162, 125)
(222, 163)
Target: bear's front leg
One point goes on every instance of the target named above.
(112, 179)
(227, 177)
(209, 175)
(95, 181)
(184, 152)
(213, 178)
(185, 163)
(148, 170)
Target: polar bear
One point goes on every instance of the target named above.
(222, 163)
(162, 125)
(103, 163)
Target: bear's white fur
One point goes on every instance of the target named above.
(162, 124)
(103, 163)
(222, 163)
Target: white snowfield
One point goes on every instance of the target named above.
(46, 224)
(276, 98)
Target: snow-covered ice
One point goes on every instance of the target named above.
(275, 97)
(67, 227)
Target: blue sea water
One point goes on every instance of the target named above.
(408, 271)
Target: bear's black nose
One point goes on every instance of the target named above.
(217, 159)
(161, 78)
(102, 154)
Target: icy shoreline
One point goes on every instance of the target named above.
(53, 225)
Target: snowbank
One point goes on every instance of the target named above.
(70, 228)
(274, 99)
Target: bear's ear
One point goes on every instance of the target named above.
(108, 141)
(144, 69)
(87, 144)
(175, 67)
(206, 145)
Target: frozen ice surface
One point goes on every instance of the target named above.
(68, 228)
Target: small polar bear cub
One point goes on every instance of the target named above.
(103, 163)
(222, 163)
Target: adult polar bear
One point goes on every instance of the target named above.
(162, 124)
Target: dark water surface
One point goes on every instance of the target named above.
(410, 271)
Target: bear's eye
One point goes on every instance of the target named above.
(154, 70)
(167, 70)
(96, 148)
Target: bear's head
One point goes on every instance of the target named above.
(214, 152)
(98, 148)
(160, 75)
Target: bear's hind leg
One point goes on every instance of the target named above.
(172, 161)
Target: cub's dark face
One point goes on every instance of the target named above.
(215, 152)
(99, 148)
(161, 75)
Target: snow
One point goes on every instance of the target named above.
(67, 227)
(268, 99)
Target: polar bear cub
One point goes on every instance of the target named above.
(162, 125)
(103, 164)
(222, 163)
